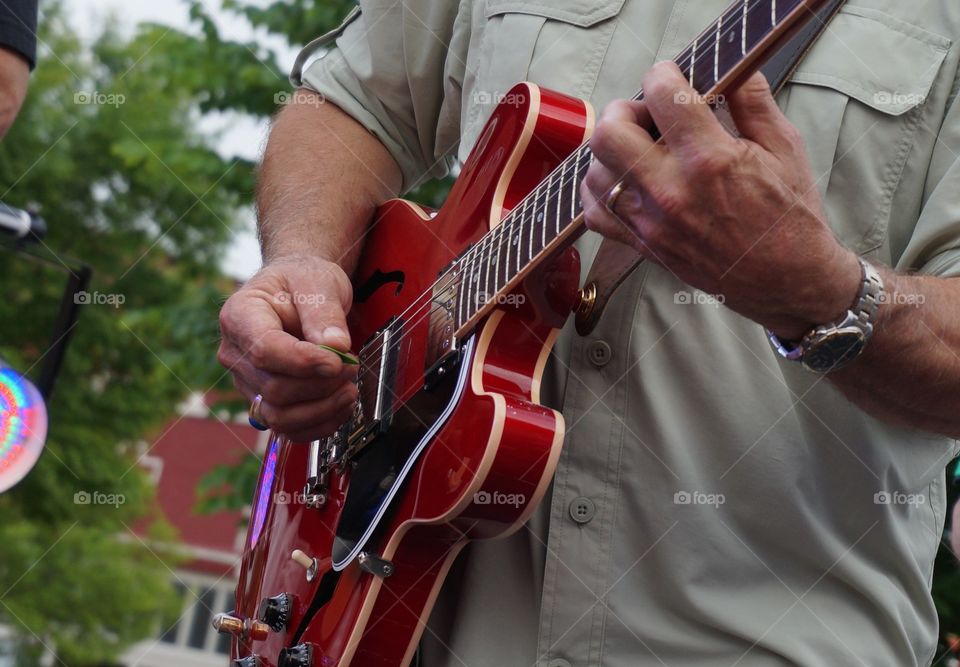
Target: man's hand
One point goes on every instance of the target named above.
(736, 217)
(271, 330)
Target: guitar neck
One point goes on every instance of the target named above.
(727, 52)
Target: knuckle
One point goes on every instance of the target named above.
(601, 141)
(670, 199)
(258, 354)
(223, 356)
(715, 162)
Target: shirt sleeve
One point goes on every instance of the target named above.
(18, 28)
(393, 69)
(934, 247)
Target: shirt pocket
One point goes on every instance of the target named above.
(558, 44)
(858, 98)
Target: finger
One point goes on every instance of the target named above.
(623, 146)
(252, 328)
(335, 410)
(758, 118)
(684, 118)
(612, 219)
(284, 390)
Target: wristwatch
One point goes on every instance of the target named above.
(835, 345)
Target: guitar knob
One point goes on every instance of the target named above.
(275, 611)
(252, 661)
(296, 656)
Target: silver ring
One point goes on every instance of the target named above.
(255, 417)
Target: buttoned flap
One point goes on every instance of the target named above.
(858, 99)
(876, 59)
(581, 13)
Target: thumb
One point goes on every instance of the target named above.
(757, 116)
(323, 319)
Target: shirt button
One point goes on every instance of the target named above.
(582, 510)
(599, 353)
(559, 662)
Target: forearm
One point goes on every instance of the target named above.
(322, 177)
(14, 74)
(909, 372)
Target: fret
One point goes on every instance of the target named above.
(521, 233)
(758, 22)
(538, 226)
(743, 28)
(773, 13)
(479, 280)
(553, 207)
(526, 234)
(496, 247)
(702, 68)
(489, 277)
(731, 43)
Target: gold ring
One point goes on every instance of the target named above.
(614, 195)
(255, 417)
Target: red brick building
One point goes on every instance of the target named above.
(180, 456)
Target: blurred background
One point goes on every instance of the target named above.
(137, 144)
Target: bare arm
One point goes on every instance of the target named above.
(910, 371)
(322, 177)
(14, 74)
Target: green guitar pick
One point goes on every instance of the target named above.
(345, 357)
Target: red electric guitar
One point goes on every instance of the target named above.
(350, 538)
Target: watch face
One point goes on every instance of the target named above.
(834, 350)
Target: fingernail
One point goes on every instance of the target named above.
(335, 333)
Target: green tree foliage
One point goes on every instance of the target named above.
(109, 149)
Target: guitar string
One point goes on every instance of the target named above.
(510, 221)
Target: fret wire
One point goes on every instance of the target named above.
(773, 12)
(716, 51)
(693, 64)
(563, 172)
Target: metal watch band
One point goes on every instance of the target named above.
(861, 315)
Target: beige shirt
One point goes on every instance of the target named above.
(714, 505)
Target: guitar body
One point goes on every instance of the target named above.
(467, 458)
